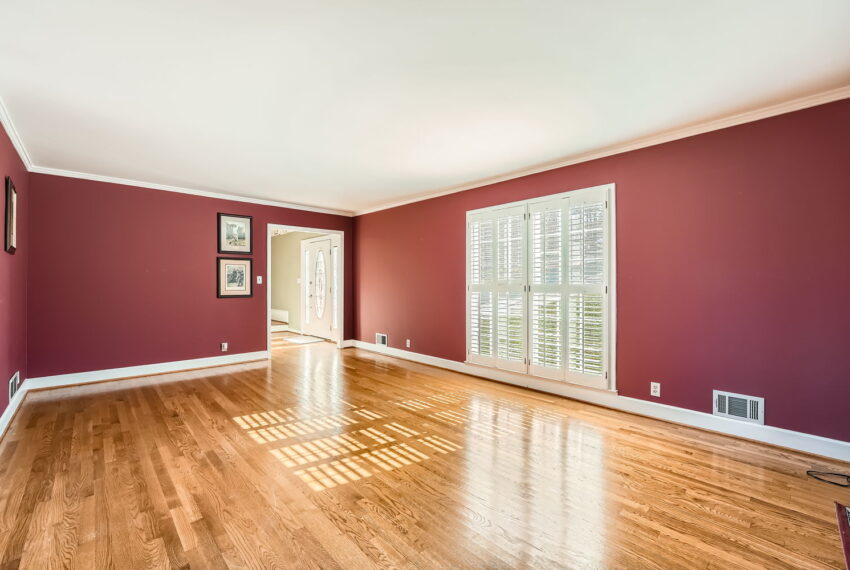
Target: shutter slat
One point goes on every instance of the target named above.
(586, 244)
(481, 323)
(546, 231)
(546, 330)
(481, 252)
(510, 327)
(510, 249)
(585, 333)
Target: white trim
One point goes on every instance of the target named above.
(181, 190)
(341, 316)
(18, 143)
(281, 315)
(612, 288)
(13, 406)
(14, 136)
(62, 380)
(667, 136)
(144, 370)
(799, 441)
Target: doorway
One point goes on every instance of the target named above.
(305, 286)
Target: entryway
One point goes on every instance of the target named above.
(305, 285)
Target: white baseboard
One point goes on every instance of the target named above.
(280, 315)
(14, 404)
(279, 328)
(817, 445)
(61, 380)
(350, 343)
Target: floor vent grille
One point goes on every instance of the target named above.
(739, 407)
(380, 339)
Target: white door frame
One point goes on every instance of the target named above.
(341, 316)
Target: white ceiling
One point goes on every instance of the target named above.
(356, 104)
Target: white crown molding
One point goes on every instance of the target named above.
(18, 143)
(12, 132)
(668, 136)
(65, 380)
(180, 190)
(689, 131)
(804, 442)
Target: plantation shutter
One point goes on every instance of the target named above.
(481, 274)
(510, 288)
(538, 287)
(496, 281)
(586, 289)
(546, 337)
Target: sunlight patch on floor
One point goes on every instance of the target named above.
(327, 450)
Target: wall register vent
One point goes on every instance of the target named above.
(739, 407)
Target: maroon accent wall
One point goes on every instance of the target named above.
(733, 260)
(123, 276)
(13, 272)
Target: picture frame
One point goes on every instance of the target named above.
(235, 234)
(234, 277)
(11, 233)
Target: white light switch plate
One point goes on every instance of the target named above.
(259, 279)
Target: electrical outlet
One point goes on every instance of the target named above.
(224, 347)
(407, 343)
(655, 389)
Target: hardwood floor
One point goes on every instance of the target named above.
(329, 458)
(279, 342)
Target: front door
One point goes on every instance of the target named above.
(317, 288)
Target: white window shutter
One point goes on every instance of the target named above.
(481, 251)
(586, 289)
(585, 331)
(510, 288)
(510, 328)
(481, 272)
(546, 334)
(481, 323)
(538, 287)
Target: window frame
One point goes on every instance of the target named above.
(610, 299)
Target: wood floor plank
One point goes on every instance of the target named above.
(347, 459)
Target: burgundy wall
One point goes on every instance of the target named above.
(13, 272)
(733, 260)
(123, 276)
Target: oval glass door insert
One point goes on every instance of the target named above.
(320, 282)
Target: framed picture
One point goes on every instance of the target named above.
(11, 241)
(234, 276)
(235, 234)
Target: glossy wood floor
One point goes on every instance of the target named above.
(329, 458)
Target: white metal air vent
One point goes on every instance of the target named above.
(380, 339)
(739, 407)
(14, 383)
